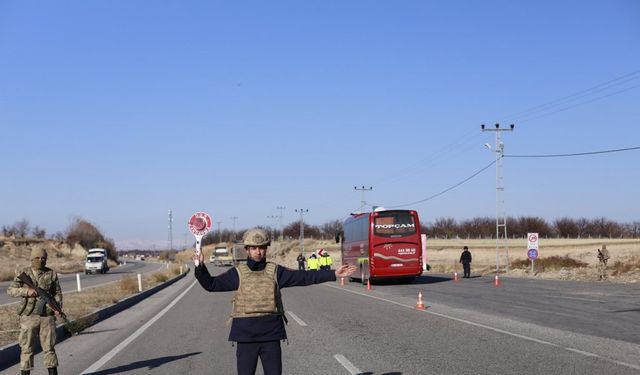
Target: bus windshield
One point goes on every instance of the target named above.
(394, 224)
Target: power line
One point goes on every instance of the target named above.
(579, 104)
(447, 189)
(574, 154)
(575, 96)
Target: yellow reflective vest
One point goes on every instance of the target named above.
(312, 263)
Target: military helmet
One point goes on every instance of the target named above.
(38, 252)
(256, 237)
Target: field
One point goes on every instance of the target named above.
(558, 258)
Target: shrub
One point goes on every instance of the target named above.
(621, 267)
(550, 263)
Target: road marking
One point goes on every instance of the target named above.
(96, 366)
(295, 317)
(589, 354)
(353, 370)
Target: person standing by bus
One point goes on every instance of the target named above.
(465, 259)
(258, 312)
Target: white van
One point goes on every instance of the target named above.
(96, 261)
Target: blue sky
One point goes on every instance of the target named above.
(117, 111)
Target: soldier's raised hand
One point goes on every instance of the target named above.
(345, 270)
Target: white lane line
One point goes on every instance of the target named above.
(589, 354)
(96, 366)
(295, 317)
(353, 370)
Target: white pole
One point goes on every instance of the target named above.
(181, 269)
(139, 283)
(78, 281)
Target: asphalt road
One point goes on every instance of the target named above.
(68, 282)
(470, 327)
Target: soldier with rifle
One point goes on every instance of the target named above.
(603, 258)
(39, 288)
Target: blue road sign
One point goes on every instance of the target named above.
(532, 254)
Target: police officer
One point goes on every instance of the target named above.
(258, 312)
(313, 263)
(325, 260)
(465, 259)
(33, 324)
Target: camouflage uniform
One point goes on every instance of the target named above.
(603, 257)
(32, 324)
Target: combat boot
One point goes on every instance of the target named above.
(25, 372)
(53, 370)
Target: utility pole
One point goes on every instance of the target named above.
(170, 231)
(219, 233)
(273, 226)
(234, 218)
(302, 211)
(363, 189)
(501, 217)
(281, 208)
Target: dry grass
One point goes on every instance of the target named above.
(621, 267)
(558, 258)
(77, 305)
(549, 263)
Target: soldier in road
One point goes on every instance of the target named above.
(603, 257)
(300, 260)
(34, 324)
(465, 259)
(258, 313)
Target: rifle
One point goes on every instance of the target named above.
(45, 299)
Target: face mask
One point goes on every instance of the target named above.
(38, 264)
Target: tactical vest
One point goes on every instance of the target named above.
(258, 293)
(28, 304)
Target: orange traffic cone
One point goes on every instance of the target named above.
(342, 281)
(420, 304)
(496, 281)
(455, 277)
(368, 284)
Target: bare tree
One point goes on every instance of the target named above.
(38, 232)
(22, 228)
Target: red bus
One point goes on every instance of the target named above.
(383, 244)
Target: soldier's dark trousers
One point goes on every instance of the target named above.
(300, 266)
(467, 269)
(270, 356)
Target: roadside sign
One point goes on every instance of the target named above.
(532, 254)
(532, 240)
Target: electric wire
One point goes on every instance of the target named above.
(575, 96)
(455, 146)
(574, 154)
(578, 104)
(447, 189)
